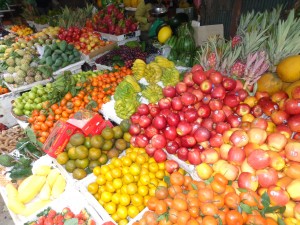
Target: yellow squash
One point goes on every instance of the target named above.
(30, 187)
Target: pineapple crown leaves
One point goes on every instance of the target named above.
(229, 58)
(284, 40)
(256, 65)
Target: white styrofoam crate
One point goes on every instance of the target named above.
(26, 87)
(111, 37)
(74, 68)
(127, 40)
(5, 109)
(108, 111)
(103, 67)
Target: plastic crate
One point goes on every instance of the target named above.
(74, 68)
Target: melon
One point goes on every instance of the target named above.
(269, 82)
(288, 69)
(164, 34)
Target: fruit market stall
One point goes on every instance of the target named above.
(170, 133)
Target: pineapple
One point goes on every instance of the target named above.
(237, 69)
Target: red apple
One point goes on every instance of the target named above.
(278, 196)
(215, 104)
(236, 155)
(216, 77)
(181, 87)
(218, 116)
(216, 140)
(259, 159)
(285, 130)
(296, 92)
(218, 92)
(242, 109)
(199, 76)
(277, 161)
(292, 106)
(250, 147)
(292, 151)
(279, 96)
(247, 180)
(231, 100)
(188, 79)
(206, 86)
(276, 141)
(222, 127)
(257, 111)
(280, 117)
(239, 138)
(210, 156)
(257, 135)
(267, 177)
(259, 123)
(294, 123)
(224, 149)
(234, 120)
(229, 84)
(261, 94)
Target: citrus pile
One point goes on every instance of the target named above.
(83, 154)
(211, 202)
(124, 186)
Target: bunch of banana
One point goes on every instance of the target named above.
(164, 62)
(153, 73)
(170, 76)
(130, 79)
(138, 69)
(126, 107)
(153, 93)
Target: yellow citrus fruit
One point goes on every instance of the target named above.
(132, 188)
(137, 199)
(116, 198)
(117, 183)
(160, 174)
(115, 217)
(110, 187)
(117, 162)
(101, 179)
(141, 159)
(204, 171)
(101, 189)
(125, 170)
(153, 183)
(104, 169)
(145, 165)
(110, 207)
(152, 192)
(124, 189)
(132, 211)
(144, 171)
(122, 212)
(132, 156)
(146, 199)
(97, 170)
(116, 172)
(128, 178)
(161, 166)
(135, 169)
(152, 175)
(108, 176)
(145, 179)
(124, 199)
(153, 167)
(106, 196)
(143, 190)
(111, 166)
(93, 188)
(123, 222)
(126, 161)
(162, 183)
(136, 178)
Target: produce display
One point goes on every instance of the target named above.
(210, 134)
(83, 154)
(84, 40)
(111, 20)
(124, 186)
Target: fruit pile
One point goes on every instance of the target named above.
(212, 202)
(21, 30)
(3, 89)
(90, 93)
(111, 20)
(124, 186)
(35, 191)
(122, 56)
(50, 216)
(84, 40)
(83, 154)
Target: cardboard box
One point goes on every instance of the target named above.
(202, 33)
(100, 51)
(59, 138)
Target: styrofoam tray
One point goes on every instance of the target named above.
(5, 109)
(122, 37)
(108, 111)
(74, 200)
(103, 67)
(74, 68)
(26, 87)
(44, 160)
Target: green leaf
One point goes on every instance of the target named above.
(265, 200)
(230, 182)
(219, 219)
(194, 186)
(163, 216)
(246, 208)
(243, 190)
(73, 221)
(209, 180)
(167, 180)
(280, 221)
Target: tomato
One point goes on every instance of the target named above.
(180, 204)
(232, 200)
(192, 194)
(194, 211)
(150, 217)
(250, 198)
(233, 217)
(219, 201)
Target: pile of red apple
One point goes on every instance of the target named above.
(84, 39)
(112, 20)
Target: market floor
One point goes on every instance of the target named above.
(5, 218)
